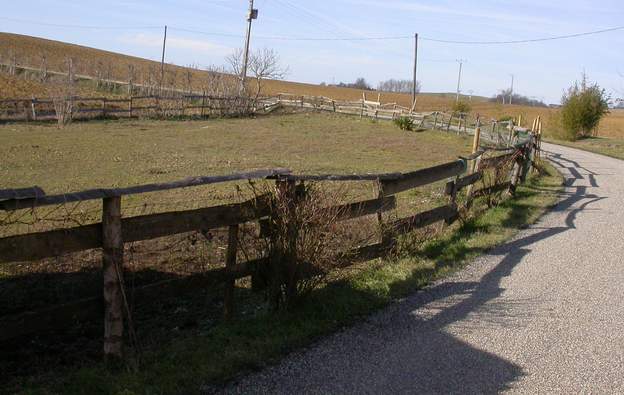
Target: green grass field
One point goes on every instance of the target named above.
(121, 153)
(104, 154)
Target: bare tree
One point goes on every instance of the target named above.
(189, 79)
(152, 79)
(219, 82)
(398, 86)
(70, 70)
(131, 77)
(235, 61)
(44, 67)
(172, 76)
(263, 64)
(13, 64)
(360, 83)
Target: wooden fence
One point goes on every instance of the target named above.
(113, 231)
(201, 105)
(84, 108)
(497, 132)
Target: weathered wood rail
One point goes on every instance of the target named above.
(113, 232)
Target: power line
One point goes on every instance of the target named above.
(383, 38)
(612, 29)
(290, 38)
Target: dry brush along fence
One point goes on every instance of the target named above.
(202, 105)
(498, 132)
(505, 170)
(153, 106)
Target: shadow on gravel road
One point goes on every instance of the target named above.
(413, 353)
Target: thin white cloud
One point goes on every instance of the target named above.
(155, 41)
(453, 10)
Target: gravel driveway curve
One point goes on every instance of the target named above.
(542, 313)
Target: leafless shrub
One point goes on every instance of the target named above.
(495, 176)
(305, 240)
(62, 95)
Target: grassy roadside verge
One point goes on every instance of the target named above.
(598, 145)
(225, 350)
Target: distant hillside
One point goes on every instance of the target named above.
(31, 52)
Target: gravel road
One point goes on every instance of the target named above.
(543, 313)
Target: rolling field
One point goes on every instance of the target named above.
(122, 153)
(107, 154)
(29, 52)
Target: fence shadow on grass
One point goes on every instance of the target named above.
(156, 321)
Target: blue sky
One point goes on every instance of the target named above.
(542, 70)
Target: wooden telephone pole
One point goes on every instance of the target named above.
(461, 63)
(162, 62)
(251, 15)
(414, 87)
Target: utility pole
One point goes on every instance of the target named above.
(511, 90)
(162, 62)
(461, 63)
(415, 68)
(251, 15)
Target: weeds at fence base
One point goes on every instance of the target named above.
(210, 353)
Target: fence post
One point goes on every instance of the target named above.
(104, 108)
(538, 148)
(203, 105)
(130, 107)
(32, 106)
(230, 262)
(435, 120)
(27, 111)
(451, 191)
(515, 174)
(386, 237)
(528, 158)
(448, 127)
(473, 164)
(112, 265)
(511, 132)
